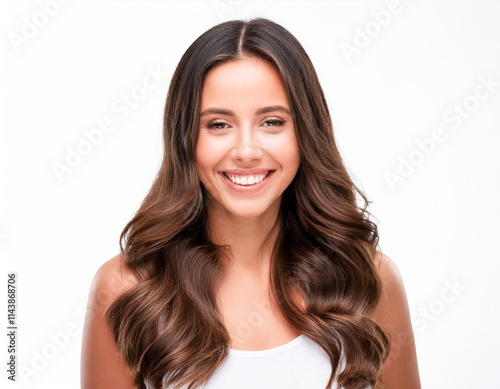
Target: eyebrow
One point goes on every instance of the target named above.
(260, 111)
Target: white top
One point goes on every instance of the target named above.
(298, 364)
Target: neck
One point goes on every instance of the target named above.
(246, 236)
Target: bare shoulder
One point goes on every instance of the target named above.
(393, 300)
(116, 269)
(389, 273)
(112, 279)
(102, 365)
(392, 312)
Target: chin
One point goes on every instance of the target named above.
(247, 213)
(248, 209)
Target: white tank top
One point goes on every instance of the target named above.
(298, 364)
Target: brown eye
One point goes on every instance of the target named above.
(275, 122)
(217, 125)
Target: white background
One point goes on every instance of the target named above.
(439, 223)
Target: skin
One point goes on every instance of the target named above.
(247, 140)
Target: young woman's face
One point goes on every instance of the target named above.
(247, 152)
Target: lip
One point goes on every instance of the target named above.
(247, 188)
(249, 172)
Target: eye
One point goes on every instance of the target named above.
(274, 122)
(217, 125)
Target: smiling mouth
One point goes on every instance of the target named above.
(247, 180)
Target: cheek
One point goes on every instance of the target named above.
(286, 153)
(292, 161)
(209, 153)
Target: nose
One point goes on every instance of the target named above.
(246, 148)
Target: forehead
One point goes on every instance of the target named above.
(249, 81)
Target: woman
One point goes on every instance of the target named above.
(249, 263)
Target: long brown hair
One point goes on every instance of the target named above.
(168, 327)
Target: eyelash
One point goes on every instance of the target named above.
(278, 122)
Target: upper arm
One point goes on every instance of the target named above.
(102, 366)
(392, 312)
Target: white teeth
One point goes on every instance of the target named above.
(246, 180)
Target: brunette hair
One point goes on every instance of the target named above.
(168, 326)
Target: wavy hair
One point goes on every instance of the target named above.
(168, 326)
